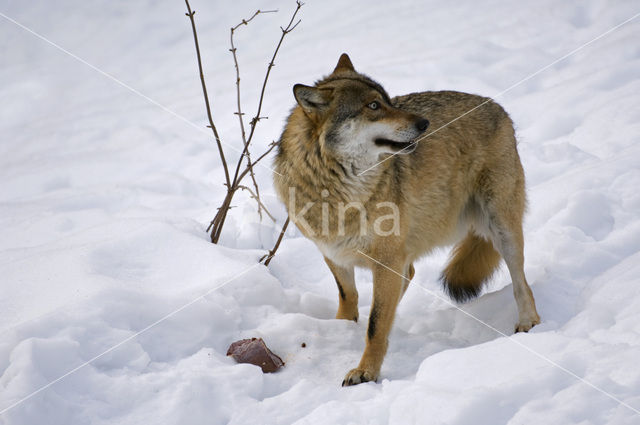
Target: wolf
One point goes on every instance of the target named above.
(348, 147)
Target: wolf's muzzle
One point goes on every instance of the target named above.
(398, 146)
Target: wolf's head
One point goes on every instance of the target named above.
(354, 117)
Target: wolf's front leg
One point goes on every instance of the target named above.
(348, 294)
(387, 290)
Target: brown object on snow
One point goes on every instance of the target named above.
(255, 351)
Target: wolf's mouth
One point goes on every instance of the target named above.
(392, 144)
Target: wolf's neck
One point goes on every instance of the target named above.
(360, 177)
(345, 179)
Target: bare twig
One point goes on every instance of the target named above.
(206, 96)
(234, 184)
(240, 114)
(218, 221)
(264, 154)
(246, 21)
(273, 250)
(285, 31)
(235, 61)
(257, 116)
(257, 195)
(257, 198)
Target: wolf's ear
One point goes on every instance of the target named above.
(312, 99)
(344, 64)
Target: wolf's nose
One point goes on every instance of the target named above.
(422, 124)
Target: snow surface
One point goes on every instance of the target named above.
(105, 197)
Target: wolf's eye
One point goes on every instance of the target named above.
(373, 105)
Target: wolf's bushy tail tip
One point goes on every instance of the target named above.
(473, 262)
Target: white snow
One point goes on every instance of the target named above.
(105, 197)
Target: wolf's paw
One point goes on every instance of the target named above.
(525, 324)
(358, 376)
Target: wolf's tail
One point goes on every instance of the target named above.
(472, 263)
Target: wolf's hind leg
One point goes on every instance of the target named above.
(348, 294)
(510, 243)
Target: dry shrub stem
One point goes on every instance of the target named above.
(267, 258)
(206, 96)
(244, 164)
(239, 113)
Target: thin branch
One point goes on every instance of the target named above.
(246, 21)
(264, 154)
(206, 96)
(235, 61)
(285, 31)
(257, 117)
(273, 250)
(257, 198)
(240, 114)
(255, 185)
(221, 215)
